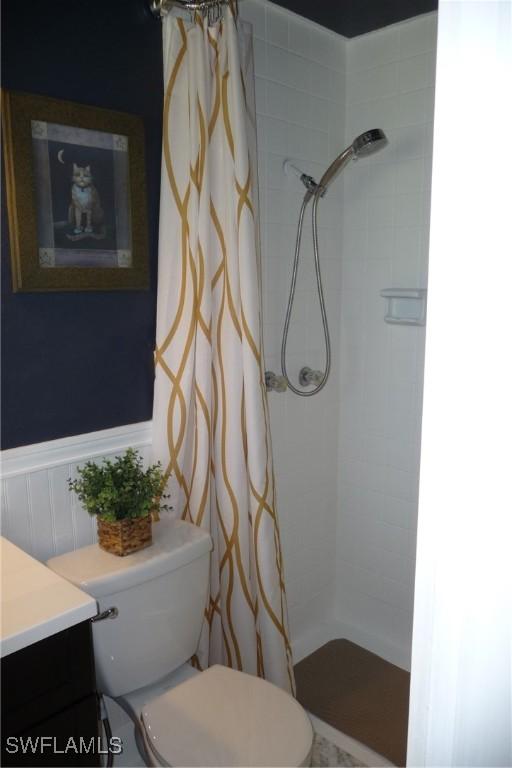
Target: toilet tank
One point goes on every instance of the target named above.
(160, 596)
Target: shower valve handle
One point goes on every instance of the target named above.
(274, 382)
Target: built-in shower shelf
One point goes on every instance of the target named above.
(406, 306)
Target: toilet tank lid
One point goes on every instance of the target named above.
(99, 573)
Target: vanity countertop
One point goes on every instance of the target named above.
(35, 601)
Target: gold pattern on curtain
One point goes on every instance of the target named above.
(211, 424)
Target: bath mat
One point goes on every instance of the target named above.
(325, 754)
(358, 693)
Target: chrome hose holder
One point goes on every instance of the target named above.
(308, 377)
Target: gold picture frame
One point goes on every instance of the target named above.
(76, 196)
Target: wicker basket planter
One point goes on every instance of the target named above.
(124, 536)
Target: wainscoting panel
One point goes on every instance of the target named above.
(39, 514)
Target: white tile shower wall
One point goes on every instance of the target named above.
(389, 82)
(300, 94)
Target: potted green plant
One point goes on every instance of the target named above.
(123, 496)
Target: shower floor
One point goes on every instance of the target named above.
(357, 693)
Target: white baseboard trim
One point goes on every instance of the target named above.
(66, 450)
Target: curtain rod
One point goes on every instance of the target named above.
(161, 8)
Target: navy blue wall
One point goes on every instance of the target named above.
(78, 362)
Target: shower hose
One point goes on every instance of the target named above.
(307, 197)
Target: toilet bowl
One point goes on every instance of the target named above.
(219, 717)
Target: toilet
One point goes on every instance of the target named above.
(151, 606)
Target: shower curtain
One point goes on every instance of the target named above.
(211, 426)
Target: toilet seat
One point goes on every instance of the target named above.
(222, 717)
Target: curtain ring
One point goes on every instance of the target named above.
(215, 12)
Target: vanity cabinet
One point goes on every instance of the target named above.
(48, 690)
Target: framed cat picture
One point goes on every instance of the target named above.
(76, 196)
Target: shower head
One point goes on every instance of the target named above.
(365, 144)
(369, 142)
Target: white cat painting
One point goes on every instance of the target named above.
(85, 209)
